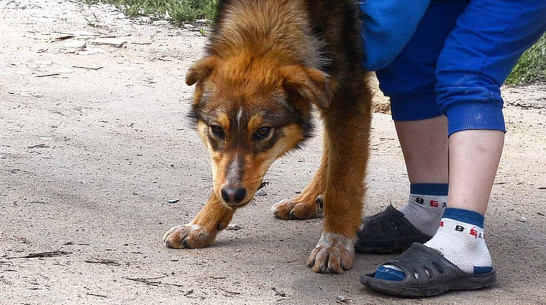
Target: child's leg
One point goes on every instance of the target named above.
(424, 144)
(490, 36)
(425, 148)
(422, 130)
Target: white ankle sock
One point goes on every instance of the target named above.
(461, 241)
(426, 206)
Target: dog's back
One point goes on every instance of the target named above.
(321, 34)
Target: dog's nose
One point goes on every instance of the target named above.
(233, 194)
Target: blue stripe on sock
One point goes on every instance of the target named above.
(482, 270)
(467, 216)
(389, 274)
(436, 189)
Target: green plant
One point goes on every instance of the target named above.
(178, 10)
(531, 67)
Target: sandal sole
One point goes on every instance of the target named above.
(468, 282)
(433, 275)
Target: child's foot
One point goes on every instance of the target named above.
(455, 258)
(393, 231)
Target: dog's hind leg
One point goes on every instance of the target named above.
(202, 230)
(347, 125)
(308, 204)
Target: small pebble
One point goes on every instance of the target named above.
(522, 219)
(173, 200)
(233, 227)
(343, 299)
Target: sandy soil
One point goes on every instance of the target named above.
(98, 160)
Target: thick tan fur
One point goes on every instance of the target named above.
(267, 64)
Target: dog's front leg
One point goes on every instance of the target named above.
(202, 230)
(347, 131)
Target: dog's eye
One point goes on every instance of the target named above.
(217, 130)
(263, 132)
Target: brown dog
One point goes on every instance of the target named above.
(268, 62)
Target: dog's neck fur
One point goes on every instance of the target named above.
(253, 32)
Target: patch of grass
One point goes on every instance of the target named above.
(531, 67)
(178, 10)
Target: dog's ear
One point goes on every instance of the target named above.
(201, 69)
(309, 83)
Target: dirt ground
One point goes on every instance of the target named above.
(98, 160)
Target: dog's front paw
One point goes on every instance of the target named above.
(333, 254)
(298, 208)
(188, 236)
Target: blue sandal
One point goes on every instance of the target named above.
(427, 273)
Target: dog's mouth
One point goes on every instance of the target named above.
(236, 205)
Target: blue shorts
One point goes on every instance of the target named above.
(457, 59)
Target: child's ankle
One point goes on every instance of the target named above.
(425, 206)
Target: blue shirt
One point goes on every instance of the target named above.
(387, 26)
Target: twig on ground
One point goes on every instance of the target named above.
(42, 254)
(148, 281)
(97, 295)
(47, 75)
(103, 261)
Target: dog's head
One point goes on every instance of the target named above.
(249, 112)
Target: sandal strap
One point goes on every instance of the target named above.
(423, 265)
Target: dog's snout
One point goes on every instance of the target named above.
(233, 194)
